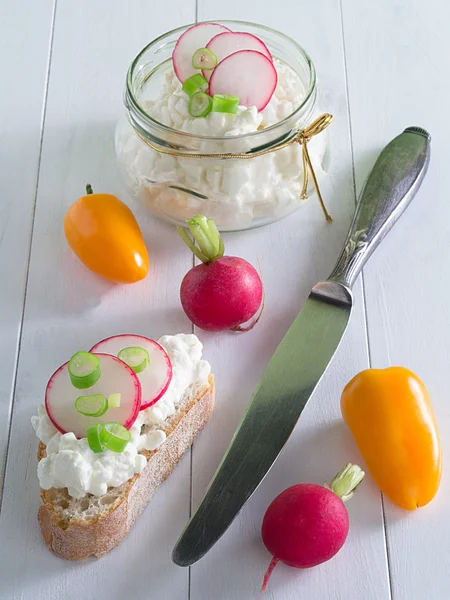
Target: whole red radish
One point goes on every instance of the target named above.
(307, 524)
(224, 291)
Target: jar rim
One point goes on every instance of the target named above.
(130, 96)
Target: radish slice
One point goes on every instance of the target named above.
(156, 377)
(247, 74)
(116, 377)
(192, 39)
(224, 44)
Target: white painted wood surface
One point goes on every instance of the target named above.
(24, 51)
(68, 308)
(406, 45)
(294, 254)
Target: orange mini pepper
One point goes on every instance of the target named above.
(390, 415)
(104, 234)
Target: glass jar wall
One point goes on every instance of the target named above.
(174, 164)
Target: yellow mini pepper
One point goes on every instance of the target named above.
(390, 415)
(104, 234)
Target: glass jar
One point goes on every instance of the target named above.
(237, 193)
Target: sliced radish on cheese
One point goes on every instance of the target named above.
(229, 42)
(155, 377)
(192, 39)
(247, 74)
(63, 399)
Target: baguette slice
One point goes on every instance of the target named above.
(92, 526)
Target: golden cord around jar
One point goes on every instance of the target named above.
(302, 138)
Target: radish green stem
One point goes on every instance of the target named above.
(187, 240)
(202, 238)
(214, 235)
(206, 235)
(346, 481)
(221, 247)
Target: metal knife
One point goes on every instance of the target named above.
(303, 355)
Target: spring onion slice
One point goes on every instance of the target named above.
(200, 105)
(195, 83)
(135, 357)
(84, 370)
(115, 437)
(93, 437)
(204, 59)
(114, 400)
(225, 104)
(91, 406)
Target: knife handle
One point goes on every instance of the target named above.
(390, 187)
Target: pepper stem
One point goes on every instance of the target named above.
(207, 237)
(346, 481)
(89, 189)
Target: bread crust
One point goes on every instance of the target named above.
(98, 535)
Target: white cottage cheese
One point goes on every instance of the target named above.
(171, 108)
(71, 463)
(237, 192)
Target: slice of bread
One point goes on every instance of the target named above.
(92, 526)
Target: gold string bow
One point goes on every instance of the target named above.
(302, 138)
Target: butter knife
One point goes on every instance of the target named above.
(303, 355)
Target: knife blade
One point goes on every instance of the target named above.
(303, 355)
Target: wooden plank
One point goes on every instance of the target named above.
(294, 254)
(25, 37)
(69, 308)
(397, 60)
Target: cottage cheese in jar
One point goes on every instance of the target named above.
(236, 193)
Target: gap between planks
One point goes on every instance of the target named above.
(191, 451)
(363, 286)
(30, 244)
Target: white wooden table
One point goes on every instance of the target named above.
(382, 66)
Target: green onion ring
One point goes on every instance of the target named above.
(84, 370)
(91, 406)
(93, 437)
(115, 437)
(135, 357)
